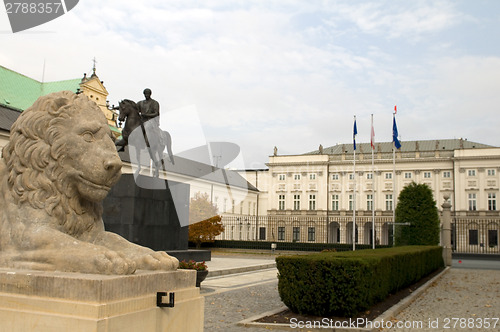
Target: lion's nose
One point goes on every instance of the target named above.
(112, 165)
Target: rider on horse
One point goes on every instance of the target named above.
(149, 109)
(148, 117)
(142, 127)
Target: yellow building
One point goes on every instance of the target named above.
(94, 88)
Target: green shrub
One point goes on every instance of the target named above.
(417, 206)
(345, 283)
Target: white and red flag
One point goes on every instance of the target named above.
(372, 139)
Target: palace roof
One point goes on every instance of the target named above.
(422, 146)
(18, 91)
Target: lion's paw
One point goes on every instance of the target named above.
(158, 260)
(110, 262)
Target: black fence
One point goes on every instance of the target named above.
(286, 246)
(316, 233)
(475, 235)
(307, 229)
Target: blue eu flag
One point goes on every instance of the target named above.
(397, 144)
(355, 132)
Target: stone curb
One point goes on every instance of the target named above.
(391, 312)
(250, 322)
(235, 270)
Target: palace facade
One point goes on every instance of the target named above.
(311, 197)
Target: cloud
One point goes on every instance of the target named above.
(400, 19)
(290, 74)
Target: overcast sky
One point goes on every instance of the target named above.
(290, 74)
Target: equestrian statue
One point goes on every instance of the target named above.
(142, 130)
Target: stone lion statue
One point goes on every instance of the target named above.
(57, 168)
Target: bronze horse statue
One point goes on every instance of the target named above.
(144, 136)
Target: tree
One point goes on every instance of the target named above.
(204, 222)
(417, 207)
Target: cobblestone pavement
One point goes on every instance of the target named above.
(469, 296)
(224, 310)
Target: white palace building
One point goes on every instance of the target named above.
(310, 197)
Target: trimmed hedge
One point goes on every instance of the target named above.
(299, 246)
(416, 205)
(345, 283)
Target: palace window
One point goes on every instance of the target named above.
(296, 176)
(427, 175)
(473, 237)
(335, 202)
(296, 202)
(262, 233)
(351, 202)
(491, 172)
(296, 234)
(492, 237)
(471, 172)
(388, 176)
(312, 202)
(407, 175)
(472, 202)
(281, 233)
(447, 174)
(281, 177)
(492, 201)
(281, 202)
(369, 176)
(388, 202)
(311, 234)
(312, 176)
(335, 176)
(369, 202)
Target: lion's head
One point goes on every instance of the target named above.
(61, 158)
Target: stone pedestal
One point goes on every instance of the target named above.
(446, 231)
(57, 301)
(149, 217)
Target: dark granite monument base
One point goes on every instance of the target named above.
(149, 217)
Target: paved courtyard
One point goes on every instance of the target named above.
(462, 300)
(464, 292)
(233, 299)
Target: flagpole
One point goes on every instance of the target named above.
(393, 188)
(396, 145)
(373, 185)
(355, 131)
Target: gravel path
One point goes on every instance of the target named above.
(223, 311)
(469, 296)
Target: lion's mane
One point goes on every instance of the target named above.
(34, 157)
